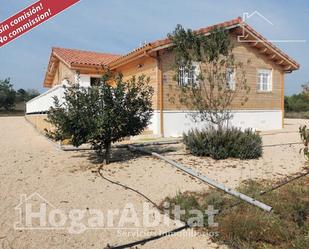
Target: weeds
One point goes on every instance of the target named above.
(244, 226)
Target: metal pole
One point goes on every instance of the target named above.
(206, 179)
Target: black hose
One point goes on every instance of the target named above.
(127, 187)
(267, 191)
(284, 183)
(144, 241)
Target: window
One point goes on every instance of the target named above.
(230, 78)
(188, 77)
(264, 83)
(94, 81)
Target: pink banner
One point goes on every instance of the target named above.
(31, 17)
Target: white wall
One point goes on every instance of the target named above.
(43, 102)
(177, 122)
(155, 123)
(84, 80)
(259, 120)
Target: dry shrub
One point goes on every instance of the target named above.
(245, 226)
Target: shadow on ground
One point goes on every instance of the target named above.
(124, 154)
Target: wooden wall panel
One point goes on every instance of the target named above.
(243, 52)
(146, 66)
(63, 72)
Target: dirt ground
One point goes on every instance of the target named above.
(29, 163)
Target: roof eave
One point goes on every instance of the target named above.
(48, 74)
(288, 66)
(292, 65)
(132, 55)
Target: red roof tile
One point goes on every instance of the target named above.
(205, 30)
(74, 56)
(237, 21)
(166, 41)
(79, 57)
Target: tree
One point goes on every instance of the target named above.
(305, 88)
(31, 93)
(104, 114)
(211, 60)
(298, 102)
(21, 95)
(7, 95)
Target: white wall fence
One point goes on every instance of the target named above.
(43, 102)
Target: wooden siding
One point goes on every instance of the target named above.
(147, 66)
(63, 72)
(243, 52)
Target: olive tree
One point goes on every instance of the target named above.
(210, 76)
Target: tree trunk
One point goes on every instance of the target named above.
(107, 152)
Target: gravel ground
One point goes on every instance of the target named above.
(29, 163)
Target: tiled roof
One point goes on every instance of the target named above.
(74, 56)
(88, 58)
(166, 41)
(205, 30)
(232, 23)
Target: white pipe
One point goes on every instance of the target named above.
(208, 180)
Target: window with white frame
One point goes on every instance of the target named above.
(230, 78)
(188, 76)
(264, 83)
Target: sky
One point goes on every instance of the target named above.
(119, 26)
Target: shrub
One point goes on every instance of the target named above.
(104, 114)
(297, 102)
(297, 115)
(245, 226)
(224, 143)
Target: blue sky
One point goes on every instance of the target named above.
(118, 26)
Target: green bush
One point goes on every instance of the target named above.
(297, 102)
(224, 143)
